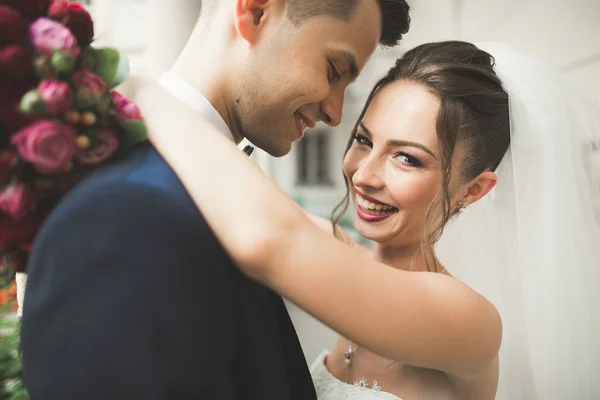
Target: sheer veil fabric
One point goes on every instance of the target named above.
(532, 245)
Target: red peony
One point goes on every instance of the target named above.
(76, 18)
(19, 234)
(48, 145)
(84, 79)
(89, 89)
(13, 26)
(31, 9)
(15, 61)
(16, 200)
(126, 110)
(109, 144)
(8, 160)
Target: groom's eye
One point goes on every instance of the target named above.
(333, 74)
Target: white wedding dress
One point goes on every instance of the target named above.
(328, 387)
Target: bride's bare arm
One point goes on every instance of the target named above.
(421, 319)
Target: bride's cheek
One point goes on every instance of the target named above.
(351, 163)
(411, 189)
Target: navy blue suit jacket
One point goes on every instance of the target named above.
(131, 296)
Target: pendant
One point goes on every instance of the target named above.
(348, 357)
(348, 354)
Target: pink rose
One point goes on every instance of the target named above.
(13, 26)
(126, 110)
(48, 145)
(56, 96)
(48, 36)
(107, 146)
(76, 18)
(16, 201)
(50, 98)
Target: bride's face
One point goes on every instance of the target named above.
(393, 166)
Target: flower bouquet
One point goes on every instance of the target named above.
(59, 117)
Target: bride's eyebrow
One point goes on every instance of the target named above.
(399, 143)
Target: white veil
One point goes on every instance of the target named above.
(532, 246)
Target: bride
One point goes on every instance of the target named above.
(499, 153)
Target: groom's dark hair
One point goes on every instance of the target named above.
(394, 14)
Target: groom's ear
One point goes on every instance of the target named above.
(250, 17)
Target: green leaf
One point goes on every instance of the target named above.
(112, 65)
(32, 103)
(62, 63)
(135, 132)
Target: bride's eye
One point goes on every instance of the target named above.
(407, 159)
(360, 139)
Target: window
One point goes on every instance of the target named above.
(313, 159)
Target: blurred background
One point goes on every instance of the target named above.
(564, 34)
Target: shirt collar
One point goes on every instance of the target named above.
(195, 100)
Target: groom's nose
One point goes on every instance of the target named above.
(331, 107)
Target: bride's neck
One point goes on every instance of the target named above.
(407, 258)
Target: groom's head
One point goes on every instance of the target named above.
(288, 62)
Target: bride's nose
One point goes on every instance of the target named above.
(369, 173)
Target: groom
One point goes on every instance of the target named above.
(130, 295)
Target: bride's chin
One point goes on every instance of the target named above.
(394, 236)
(372, 235)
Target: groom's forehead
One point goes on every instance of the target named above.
(352, 40)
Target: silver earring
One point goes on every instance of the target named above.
(462, 205)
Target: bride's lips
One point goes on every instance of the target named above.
(365, 205)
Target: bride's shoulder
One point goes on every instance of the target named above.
(327, 226)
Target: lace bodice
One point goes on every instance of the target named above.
(328, 387)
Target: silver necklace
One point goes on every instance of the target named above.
(348, 355)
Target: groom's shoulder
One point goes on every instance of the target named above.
(139, 172)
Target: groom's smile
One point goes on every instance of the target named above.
(303, 123)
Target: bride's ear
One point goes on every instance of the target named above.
(479, 187)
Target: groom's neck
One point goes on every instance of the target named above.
(203, 65)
